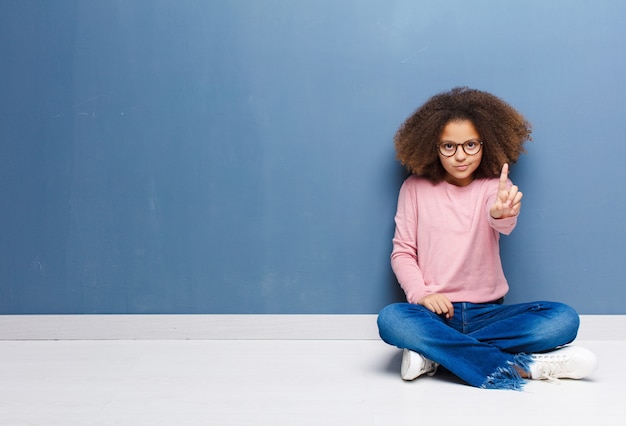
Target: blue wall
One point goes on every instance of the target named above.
(161, 156)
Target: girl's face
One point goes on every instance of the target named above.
(460, 166)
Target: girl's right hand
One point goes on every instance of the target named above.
(508, 201)
(439, 304)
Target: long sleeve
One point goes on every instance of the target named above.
(404, 255)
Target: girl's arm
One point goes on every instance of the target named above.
(404, 259)
(404, 253)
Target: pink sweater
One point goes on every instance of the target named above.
(447, 242)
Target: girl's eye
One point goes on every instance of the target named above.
(448, 146)
(470, 144)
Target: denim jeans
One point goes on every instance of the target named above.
(482, 343)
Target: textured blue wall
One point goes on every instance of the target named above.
(161, 156)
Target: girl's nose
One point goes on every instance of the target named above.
(460, 155)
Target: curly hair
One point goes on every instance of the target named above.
(502, 129)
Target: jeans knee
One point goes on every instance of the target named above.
(570, 322)
(564, 322)
(388, 316)
(399, 321)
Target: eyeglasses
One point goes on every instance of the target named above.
(472, 147)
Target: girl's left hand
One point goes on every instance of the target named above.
(508, 201)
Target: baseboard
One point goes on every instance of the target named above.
(233, 327)
(216, 327)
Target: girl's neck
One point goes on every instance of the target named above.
(459, 182)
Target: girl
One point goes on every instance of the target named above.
(450, 213)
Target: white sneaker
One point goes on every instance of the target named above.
(570, 362)
(414, 365)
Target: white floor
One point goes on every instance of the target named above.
(277, 382)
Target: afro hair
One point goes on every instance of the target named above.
(501, 128)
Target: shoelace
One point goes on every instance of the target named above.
(429, 367)
(550, 367)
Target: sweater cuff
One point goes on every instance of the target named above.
(504, 226)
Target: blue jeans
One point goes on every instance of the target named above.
(482, 343)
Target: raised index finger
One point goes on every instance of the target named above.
(504, 176)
